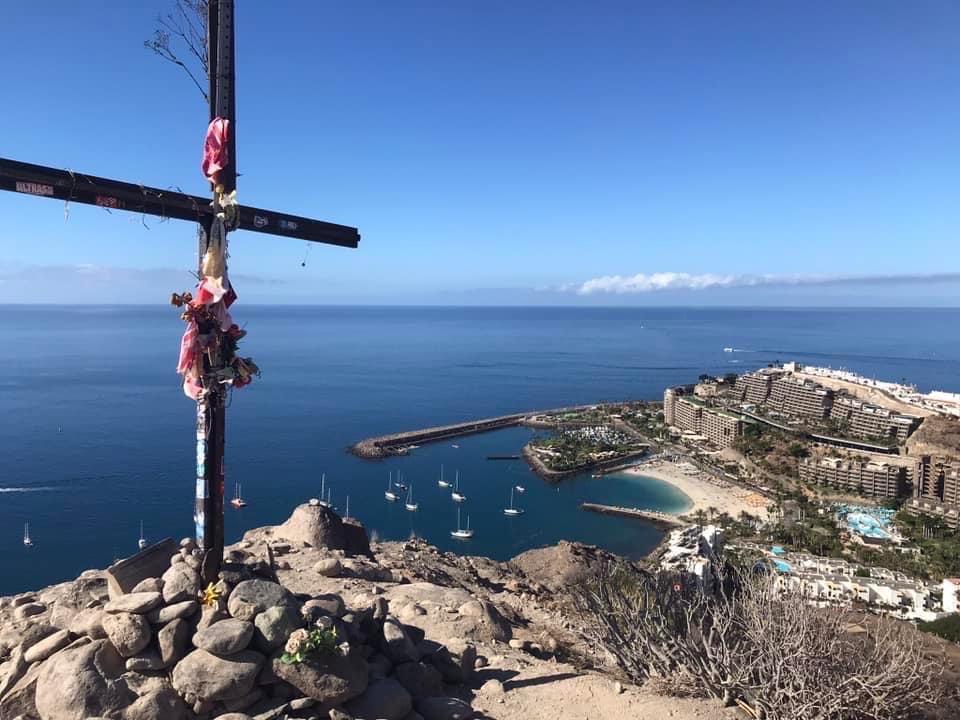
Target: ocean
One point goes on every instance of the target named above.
(96, 435)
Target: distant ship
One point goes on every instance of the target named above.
(390, 495)
(456, 495)
(410, 504)
(728, 349)
(142, 542)
(512, 511)
(27, 542)
(441, 482)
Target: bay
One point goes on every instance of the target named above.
(95, 434)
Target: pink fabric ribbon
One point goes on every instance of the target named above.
(215, 148)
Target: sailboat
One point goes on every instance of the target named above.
(238, 501)
(520, 489)
(390, 494)
(142, 542)
(512, 511)
(323, 493)
(329, 504)
(410, 504)
(399, 483)
(441, 482)
(456, 495)
(26, 535)
(462, 533)
(346, 515)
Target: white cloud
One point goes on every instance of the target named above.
(655, 282)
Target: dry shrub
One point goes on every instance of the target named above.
(747, 641)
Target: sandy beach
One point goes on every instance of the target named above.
(703, 489)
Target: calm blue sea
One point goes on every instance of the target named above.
(96, 436)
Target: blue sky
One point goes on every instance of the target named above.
(509, 152)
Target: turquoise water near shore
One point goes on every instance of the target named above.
(95, 434)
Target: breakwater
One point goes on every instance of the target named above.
(652, 516)
(399, 443)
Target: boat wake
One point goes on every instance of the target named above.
(25, 489)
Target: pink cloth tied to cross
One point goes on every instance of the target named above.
(189, 365)
(215, 156)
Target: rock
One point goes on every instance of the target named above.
(14, 669)
(383, 700)
(47, 647)
(379, 666)
(163, 615)
(188, 544)
(302, 704)
(180, 582)
(331, 679)
(29, 610)
(21, 600)
(355, 538)
(254, 596)
(244, 702)
(148, 585)
(381, 608)
(162, 704)
(465, 653)
(150, 660)
(234, 716)
(330, 567)
(225, 637)
(397, 644)
(172, 641)
(492, 687)
(618, 688)
(88, 622)
(137, 603)
(128, 633)
(80, 682)
(328, 604)
(444, 708)
(209, 616)
(314, 525)
(273, 627)
(20, 699)
(438, 656)
(419, 679)
(213, 678)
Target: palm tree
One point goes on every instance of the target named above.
(699, 515)
(711, 511)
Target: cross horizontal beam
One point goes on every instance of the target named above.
(116, 195)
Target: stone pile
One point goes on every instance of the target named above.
(173, 650)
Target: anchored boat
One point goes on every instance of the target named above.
(456, 495)
(390, 495)
(512, 511)
(462, 533)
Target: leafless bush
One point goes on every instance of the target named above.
(186, 26)
(748, 642)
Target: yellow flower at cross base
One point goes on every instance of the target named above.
(211, 596)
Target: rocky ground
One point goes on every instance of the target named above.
(419, 633)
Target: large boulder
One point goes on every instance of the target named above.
(331, 680)
(163, 704)
(172, 641)
(321, 527)
(383, 700)
(213, 678)
(48, 646)
(420, 679)
(182, 609)
(273, 627)
(129, 633)
(89, 622)
(225, 637)
(180, 582)
(450, 613)
(397, 644)
(252, 597)
(139, 602)
(82, 682)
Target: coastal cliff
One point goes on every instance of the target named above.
(421, 633)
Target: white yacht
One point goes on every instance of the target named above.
(462, 533)
(142, 542)
(27, 542)
(456, 495)
(238, 501)
(441, 482)
(410, 504)
(390, 494)
(323, 491)
(512, 511)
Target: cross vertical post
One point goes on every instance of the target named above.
(211, 406)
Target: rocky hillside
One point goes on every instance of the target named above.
(308, 621)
